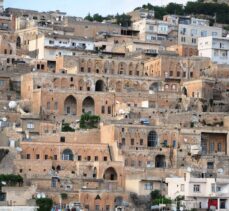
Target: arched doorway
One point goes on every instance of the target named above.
(152, 139)
(99, 86)
(70, 105)
(160, 161)
(154, 87)
(67, 155)
(184, 91)
(18, 42)
(88, 105)
(110, 174)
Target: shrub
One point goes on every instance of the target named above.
(44, 204)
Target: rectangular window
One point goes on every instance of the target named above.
(193, 40)
(212, 147)
(123, 141)
(97, 207)
(56, 106)
(109, 110)
(103, 110)
(30, 126)
(148, 186)
(51, 42)
(183, 39)
(132, 141)
(182, 187)
(46, 157)
(213, 187)
(174, 143)
(48, 105)
(219, 147)
(141, 142)
(37, 156)
(196, 188)
(107, 207)
(96, 158)
(203, 33)
(55, 157)
(105, 158)
(79, 158)
(210, 165)
(28, 156)
(62, 139)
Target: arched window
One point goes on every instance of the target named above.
(67, 155)
(70, 105)
(18, 42)
(160, 161)
(99, 86)
(88, 105)
(152, 139)
(110, 174)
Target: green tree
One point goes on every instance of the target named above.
(173, 8)
(88, 121)
(89, 17)
(44, 204)
(123, 20)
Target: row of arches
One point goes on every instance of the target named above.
(70, 105)
(111, 67)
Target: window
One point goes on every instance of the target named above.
(82, 69)
(182, 187)
(132, 141)
(105, 158)
(170, 73)
(123, 141)
(30, 126)
(210, 165)
(56, 106)
(211, 147)
(48, 105)
(148, 186)
(51, 42)
(97, 207)
(196, 188)
(79, 158)
(103, 109)
(88, 158)
(37, 156)
(2, 83)
(55, 157)
(62, 139)
(193, 32)
(174, 143)
(214, 34)
(141, 142)
(28, 156)
(219, 147)
(193, 40)
(96, 158)
(213, 187)
(204, 33)
(183, 39)
(46, 157)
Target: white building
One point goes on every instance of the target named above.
(215, 48)
(200, 192)
(48, 46)
(190, 30)
(151, 30)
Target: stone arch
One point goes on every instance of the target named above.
(160, 161)
(144, 87)
(154, 87)
(131, 69)
(152, 139)
(98, 66)
(18, 42)
(67, 154)
(112, 67)
(122, 67)
(88, 105)
(100, 86)
(89, 65)
(110, 174)
(70, 105)
(81, 85)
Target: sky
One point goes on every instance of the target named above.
(81, 8)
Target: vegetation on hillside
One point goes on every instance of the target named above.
(44, 204)
(88, 121)
(214, 11)
(11, 179)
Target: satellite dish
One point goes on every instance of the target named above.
(3, 183)
(4, 119)
(43, 195)
(4, 108)
(12, 104)
(220, 171)
(189, 169)
(38, 195)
